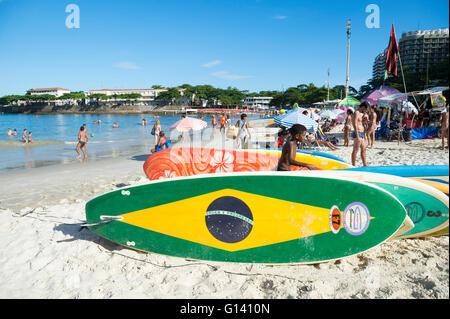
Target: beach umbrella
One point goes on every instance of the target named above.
(296, 117)
(375, 95)
(315, 116)
(188, 123)
(331, 114)
(349, 101)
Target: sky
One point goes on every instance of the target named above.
(248, 44)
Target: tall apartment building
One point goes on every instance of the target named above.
(421, 49)
(379, 66)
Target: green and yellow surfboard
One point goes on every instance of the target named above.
(252, 217)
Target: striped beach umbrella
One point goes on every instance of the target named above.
(294, 117)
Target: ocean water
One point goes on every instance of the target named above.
(55, 137)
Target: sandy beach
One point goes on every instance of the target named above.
(46, 253)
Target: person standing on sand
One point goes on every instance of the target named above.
(359, 143)
(214, 122)
(244, 133)
(372, 126)
(348, 127)
(444, 125)
(289, 151)
(223, 120)
(82, 142)
(156, 130)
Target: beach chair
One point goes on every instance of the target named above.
(160, 147)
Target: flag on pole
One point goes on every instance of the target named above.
(391, 54)
(386, 75)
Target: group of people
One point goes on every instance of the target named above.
(26, 136)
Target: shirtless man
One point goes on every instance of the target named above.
(289, 151)
(82, 141)
(444, 125)
(359, 143)
(372, 126)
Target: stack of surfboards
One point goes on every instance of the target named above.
(219, 205)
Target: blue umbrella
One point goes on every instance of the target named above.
(294, 117)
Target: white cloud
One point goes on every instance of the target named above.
(280, 17)
(212, 63)
(127, 65)
(225, 75)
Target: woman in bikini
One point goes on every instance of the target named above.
(348, 127)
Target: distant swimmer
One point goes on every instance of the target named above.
(98, 122)
(289, 151)
(115, 125)
(15, 132)
(82, 142)
(25, 136)
(144, 122)
(9, 132)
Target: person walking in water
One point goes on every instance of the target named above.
(156, 130)
(82, 142)
(348, 127)
(359, 143)
(25, 136)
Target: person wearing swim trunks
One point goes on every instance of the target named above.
(82, 141)
(359, 143)
(289, 151)
(29, 137)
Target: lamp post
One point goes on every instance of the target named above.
(348, 56)
(328, 94)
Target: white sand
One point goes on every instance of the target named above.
(45, 253)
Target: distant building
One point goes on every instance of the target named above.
(145, 93)
(421, 49)
(53, 91)
(259, 102)
(379, 66)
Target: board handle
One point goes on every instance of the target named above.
(104, 219)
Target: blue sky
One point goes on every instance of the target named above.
(249, 44)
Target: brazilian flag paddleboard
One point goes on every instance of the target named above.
(264, 217)
(427, 207)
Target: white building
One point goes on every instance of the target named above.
(53, 91)
(259, 102)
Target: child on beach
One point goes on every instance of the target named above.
(29, 138)
(289, 151)
(82, 142)
(359, 143)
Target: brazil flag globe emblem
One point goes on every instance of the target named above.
(229, 219)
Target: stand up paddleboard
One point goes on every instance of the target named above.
(313, 153)
(264, 217)
(186, 161)
(427, 207)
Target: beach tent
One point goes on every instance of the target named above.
(378, 93)
(296, 117)
(387, 101)
(349, 101)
